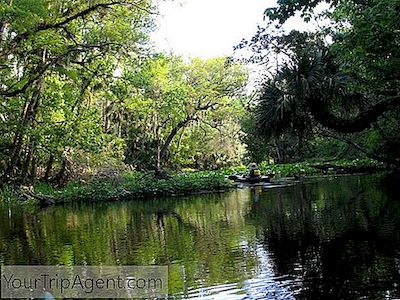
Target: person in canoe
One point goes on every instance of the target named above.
(254, 176)
(254, 172)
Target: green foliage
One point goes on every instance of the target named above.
(136, 185)
(345, 89)
(80, 92)
(178, 113)
(11, 196)
(311, 168)
(258, 148)
(145, 185)
(280, 170)
(56, 59)
(7, 194)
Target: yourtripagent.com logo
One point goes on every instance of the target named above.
(84, 281)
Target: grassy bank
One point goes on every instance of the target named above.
(135, 185)
(139, 185)
(313, 168)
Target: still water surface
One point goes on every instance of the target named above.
(325, 238)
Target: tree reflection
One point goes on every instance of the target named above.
(336, 238)
(199, 238)
(340, 238)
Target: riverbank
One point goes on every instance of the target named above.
(129, 185)
(348, 217)
(314, 168)
(143, 185)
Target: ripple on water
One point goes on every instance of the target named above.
(263, 284)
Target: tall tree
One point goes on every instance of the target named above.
(52, 55)
(165, 96)
(349, 85)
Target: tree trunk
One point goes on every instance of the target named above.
(61, 173)
(362, 121)
(28, 116)
(28, 160)
(17, 143)
(387, 160)
(49, 167)
(3, 28)
(164, 149)
(278, 152)
(33, 172)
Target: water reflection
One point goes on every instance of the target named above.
(337, 238)
(328, 238)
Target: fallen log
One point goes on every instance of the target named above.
(27, 193)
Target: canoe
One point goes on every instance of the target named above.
(250, 179)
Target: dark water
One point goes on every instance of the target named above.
(328, 238)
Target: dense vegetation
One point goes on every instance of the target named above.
(327, 89)
(81, 88)
(82, 93)
(147, 185)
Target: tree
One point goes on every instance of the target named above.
(164, 96)
(52, 56)
(349, 85)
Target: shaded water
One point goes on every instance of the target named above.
(321, 239)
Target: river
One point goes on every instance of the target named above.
(322, 238)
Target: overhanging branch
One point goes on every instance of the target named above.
(387, 160)
(46, 26)
(356, 124)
